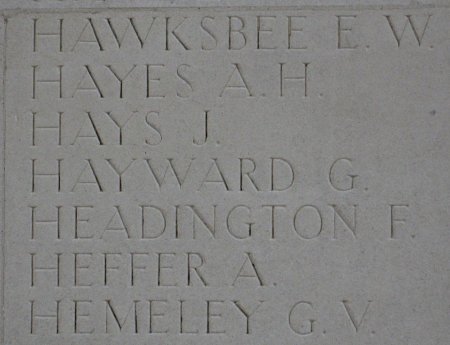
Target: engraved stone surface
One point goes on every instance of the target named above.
(225, 174)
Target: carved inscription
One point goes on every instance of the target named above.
(186, 175)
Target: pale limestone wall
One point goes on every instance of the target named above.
(225, 173)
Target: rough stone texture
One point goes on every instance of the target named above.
(21, 4)
(225, 174)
